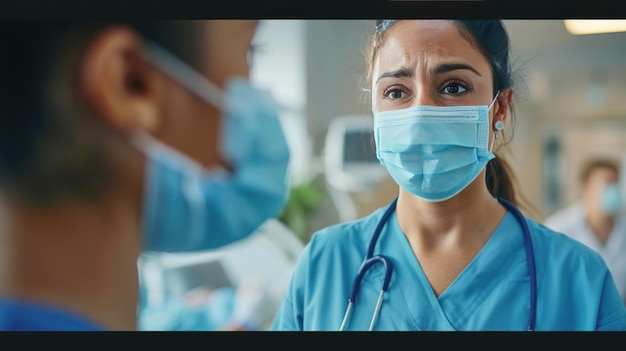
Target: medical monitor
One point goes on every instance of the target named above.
(350, 154)
(358, 147)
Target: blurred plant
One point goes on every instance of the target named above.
(303, 200)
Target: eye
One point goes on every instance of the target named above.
(394, 93)
(455, 88)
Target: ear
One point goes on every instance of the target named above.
(502, 106)
(118, 84)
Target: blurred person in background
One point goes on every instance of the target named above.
(597, 219)
(118, 138)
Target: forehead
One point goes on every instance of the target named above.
(413, 42)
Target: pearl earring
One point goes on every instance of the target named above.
(499, 126)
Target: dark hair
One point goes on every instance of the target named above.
(49, 147)
(491, 38)
(597, 163)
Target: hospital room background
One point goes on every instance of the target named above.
(570, 106)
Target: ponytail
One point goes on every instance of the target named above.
(501, 182)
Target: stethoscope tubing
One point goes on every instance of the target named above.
(530, 258)
(370, 260)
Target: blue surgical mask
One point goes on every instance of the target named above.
(433, 152)
(611, 199)
(188, 207)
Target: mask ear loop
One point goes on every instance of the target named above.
(493, 101)
(499, 124)
(183, 74)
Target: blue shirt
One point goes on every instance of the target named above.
(575, 291)
(29, 316)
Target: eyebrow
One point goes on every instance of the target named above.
(399, 73)
(443, 68)
(448, 67)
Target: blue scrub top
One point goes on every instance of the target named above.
(575, 290)
(29, 316)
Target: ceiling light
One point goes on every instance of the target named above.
(578, 27)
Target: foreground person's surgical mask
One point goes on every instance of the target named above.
(187, 207)
(433, 152)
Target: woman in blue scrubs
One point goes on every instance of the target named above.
(453, 253)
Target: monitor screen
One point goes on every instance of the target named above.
(359, 147)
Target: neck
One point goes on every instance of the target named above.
(466, 220)
(81, 257)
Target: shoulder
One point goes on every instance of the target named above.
(348, 231)
(578, 271)
(556, 248)
(572, 271)
(22, 315)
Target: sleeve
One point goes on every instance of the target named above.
(612, 314)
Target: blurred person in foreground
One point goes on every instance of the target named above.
(597, 219)
(118, 138)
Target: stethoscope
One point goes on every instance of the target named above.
(371, 259)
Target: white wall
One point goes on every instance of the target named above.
(335, 68)
(279, 65)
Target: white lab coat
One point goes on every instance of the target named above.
(571, 221)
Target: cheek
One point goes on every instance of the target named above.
(227, 64)
(191, 126)
(201, 136)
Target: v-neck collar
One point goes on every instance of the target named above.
(464, 295)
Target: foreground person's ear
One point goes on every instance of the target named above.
(121, 87)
